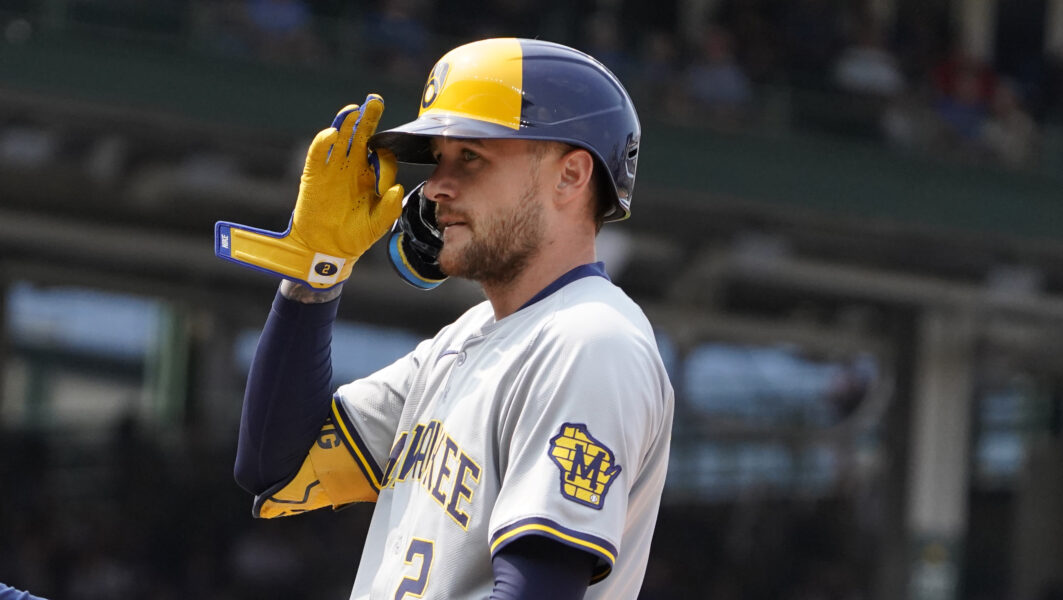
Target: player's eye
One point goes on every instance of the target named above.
(467, 155)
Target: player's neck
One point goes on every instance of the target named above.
(553, 261)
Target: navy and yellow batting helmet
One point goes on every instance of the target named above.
(526, 89)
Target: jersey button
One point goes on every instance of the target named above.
(461, 359)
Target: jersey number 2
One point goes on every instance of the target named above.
(414, 587)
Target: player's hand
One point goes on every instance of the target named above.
(347, 200)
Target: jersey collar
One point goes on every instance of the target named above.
(595, 269)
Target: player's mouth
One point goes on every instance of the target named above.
(452, 230)
(450, 221)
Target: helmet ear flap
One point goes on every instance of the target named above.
(415, 242)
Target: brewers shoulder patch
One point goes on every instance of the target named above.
(587, 466)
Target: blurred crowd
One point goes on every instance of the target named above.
(899, 76)
(818, 65)
(135, 514)
(131, 516)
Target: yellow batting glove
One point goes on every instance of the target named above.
(348, 199)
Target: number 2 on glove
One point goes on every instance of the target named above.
(348, 199)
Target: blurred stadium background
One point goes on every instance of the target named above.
(848, 231)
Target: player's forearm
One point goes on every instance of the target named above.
(300, 293)
(288, 392)
(537, 567)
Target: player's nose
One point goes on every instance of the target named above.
(440, 186)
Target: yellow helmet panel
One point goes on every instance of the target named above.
(482, 83)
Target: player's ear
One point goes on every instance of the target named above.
(574, 175)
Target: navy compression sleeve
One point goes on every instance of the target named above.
(288, 392)
(537, 567)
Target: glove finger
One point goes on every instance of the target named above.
(372, 108)
(340, 116)
(320, 148)
(344, 123)
(337, 122)
(384, 167)
(368, 118)
(387, 210)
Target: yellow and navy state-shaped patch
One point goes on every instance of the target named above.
(588, 467)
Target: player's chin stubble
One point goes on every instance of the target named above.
(499, 249)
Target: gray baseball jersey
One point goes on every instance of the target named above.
(553, 421)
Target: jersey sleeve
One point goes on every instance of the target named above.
(343, 465)
(367, 412)
(585, 412)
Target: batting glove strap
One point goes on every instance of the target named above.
(279, 254)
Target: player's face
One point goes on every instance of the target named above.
(488, 206)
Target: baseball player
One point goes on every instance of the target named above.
(521, 452)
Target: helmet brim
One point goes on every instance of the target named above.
(411, 142)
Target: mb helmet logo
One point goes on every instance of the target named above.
(435, 84)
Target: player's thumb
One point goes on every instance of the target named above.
(387, 210)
